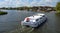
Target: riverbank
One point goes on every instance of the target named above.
(34, 8)
(58, 13)
(2, 13)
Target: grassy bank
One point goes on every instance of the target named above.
(2, 13)
(58, 13)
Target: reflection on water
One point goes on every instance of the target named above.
(12, 20)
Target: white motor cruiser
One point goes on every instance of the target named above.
(34, 21)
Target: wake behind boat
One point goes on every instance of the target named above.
(34, 21)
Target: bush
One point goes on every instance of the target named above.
(58, 6)
(2, 13)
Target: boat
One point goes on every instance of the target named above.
(35, 20)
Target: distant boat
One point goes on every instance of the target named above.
(34, 21)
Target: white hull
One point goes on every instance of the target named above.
(34, 24)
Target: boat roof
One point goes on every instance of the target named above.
(36, 16)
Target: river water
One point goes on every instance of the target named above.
(11, 21)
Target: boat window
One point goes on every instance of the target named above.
(37, 19)
(43, 16)
(40, 18)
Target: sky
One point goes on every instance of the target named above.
(19, 3)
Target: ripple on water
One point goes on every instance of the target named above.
(25, 29)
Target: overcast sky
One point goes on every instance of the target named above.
(18, 3)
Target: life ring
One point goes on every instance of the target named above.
(27, 19)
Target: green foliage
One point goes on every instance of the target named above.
(58, 6)
(58, 9)
(2, 13)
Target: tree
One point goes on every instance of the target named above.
(58, 7)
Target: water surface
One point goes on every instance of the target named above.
(11, 21)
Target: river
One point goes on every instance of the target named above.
(11, 21)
